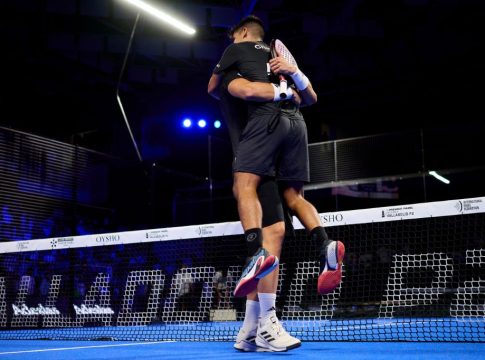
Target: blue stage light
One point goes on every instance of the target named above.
(202, 123)
(187, 123)
(217, 124)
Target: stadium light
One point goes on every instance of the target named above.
(439, 177)
(186, 123)
(162, 16)
(202, 123)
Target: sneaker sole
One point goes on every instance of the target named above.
(248, 285)
(249, 347)
(329, 280)
(269, 347)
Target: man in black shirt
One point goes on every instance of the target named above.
(235, 112)
(273, 143)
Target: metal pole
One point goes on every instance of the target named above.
(119, 85)
(211, 207)
(423, 165)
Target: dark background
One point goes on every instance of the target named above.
(378, 66)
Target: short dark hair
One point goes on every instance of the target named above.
(252, 21)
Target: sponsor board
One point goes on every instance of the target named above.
(162, 234)
(398, 212)
(330, 219)
(108, 238)
(24, 245)
(360, 216)
(470, 205)
(62, 243)
(205, 230)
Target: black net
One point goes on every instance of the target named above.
(419, 279)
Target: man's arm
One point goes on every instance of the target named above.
(280, 66)
(257, 91)
(251, 91)
(214, 84)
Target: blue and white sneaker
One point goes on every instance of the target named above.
(259, 265)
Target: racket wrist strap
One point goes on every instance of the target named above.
(300, 80)
(277, 93)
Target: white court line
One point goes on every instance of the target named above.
(83, 347)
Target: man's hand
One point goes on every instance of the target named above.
(280, 66)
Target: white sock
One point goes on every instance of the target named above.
(252, 314)
(267, 304)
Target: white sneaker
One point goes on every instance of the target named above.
(246, 341)
(272, 336)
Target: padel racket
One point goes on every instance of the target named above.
(277, 48)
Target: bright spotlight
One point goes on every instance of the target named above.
(187, 123)
(217, 124)
(202, 123)
(162, 15)
(439, 177)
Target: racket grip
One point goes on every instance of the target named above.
(283, 87)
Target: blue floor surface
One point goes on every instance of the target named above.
(424, 329)
(94, 350)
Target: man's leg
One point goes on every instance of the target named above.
(271, 336)
(248, 205)
(261, 330)
(261, 262)
(332, 252)
(246, 339)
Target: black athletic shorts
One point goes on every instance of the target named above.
(274, 143)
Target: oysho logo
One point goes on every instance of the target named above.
(332, 218)
(108, 238)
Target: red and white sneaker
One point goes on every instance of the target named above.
(258, 266)
(331, 258)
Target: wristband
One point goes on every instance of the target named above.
(300, 80)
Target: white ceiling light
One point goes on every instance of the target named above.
(162, 16)
(439, 177)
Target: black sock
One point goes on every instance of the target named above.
(254, 239)
(319, 235)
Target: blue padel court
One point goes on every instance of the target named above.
(398, 330)
(404, 345)
(92, 350)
